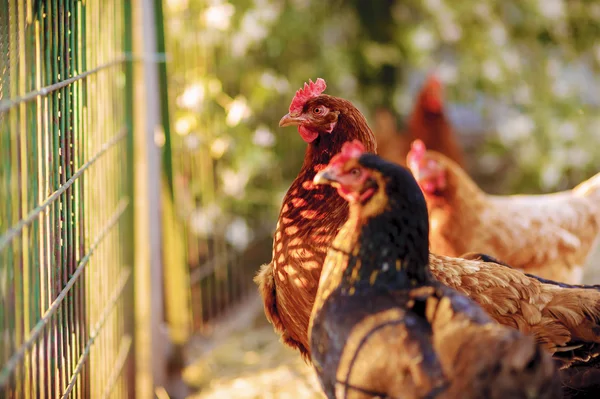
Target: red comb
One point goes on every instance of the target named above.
(431, 94)
(304, 94)
(417, 151)
(432, 81)
(350, 150)
(353, 149)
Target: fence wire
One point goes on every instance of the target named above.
(219, 274)
(65, 199)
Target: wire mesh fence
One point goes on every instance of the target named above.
(219, 269)
(67, 191)
(65, 199)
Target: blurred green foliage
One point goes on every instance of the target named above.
(527, 68)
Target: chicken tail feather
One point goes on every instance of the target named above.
(589, 188)
(266, 286)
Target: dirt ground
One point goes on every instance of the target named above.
(251, 363)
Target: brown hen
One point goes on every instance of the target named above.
(310, 215)
(547, 235)
(382, 326)
(427, 121)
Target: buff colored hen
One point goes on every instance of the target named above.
(548, 235)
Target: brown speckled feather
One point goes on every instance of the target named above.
(558, 317)
(309, 219)
(289, 283)
(488, 360)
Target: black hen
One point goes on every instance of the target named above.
(382, 326)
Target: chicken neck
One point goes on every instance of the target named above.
(392, 248)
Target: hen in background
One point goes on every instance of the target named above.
(392, 145)
(381, 324)
(548, 235)
(427, 122)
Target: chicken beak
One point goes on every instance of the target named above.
(289, 120)
(324, 177)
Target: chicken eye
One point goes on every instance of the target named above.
(318, 110)
(355, 172)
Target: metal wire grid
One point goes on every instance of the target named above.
(65, 195)
(219, 276)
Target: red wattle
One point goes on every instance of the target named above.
(428, 187)
(307, 135)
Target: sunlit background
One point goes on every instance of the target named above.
(87, 96)
(521, 84)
